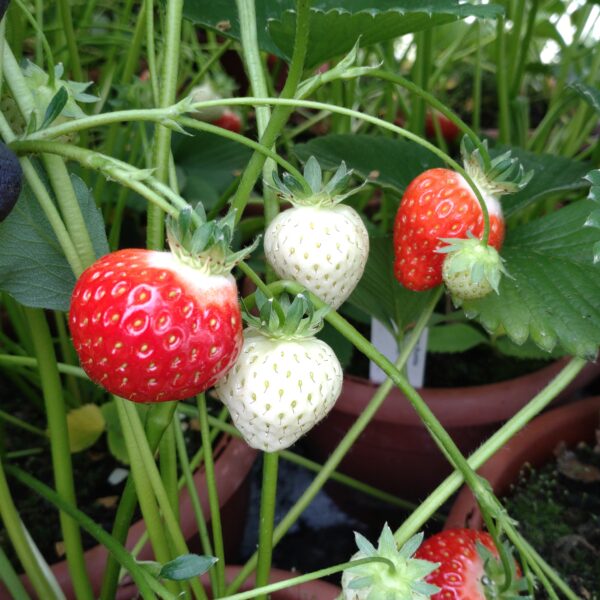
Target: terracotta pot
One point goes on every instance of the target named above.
(313, 590)
(396, 453)
(233, 461)
(533, 445)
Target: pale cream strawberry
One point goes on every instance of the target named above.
(319, 243)
(284, 381)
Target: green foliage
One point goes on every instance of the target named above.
(380, 295)
(114, 433)
(85, 425)
(208, 164)
(186, 566)
(33, 269)
(552, 175)
(590, 94)
(385, 161)
(554, 282)
(454, 337)
(334, 26)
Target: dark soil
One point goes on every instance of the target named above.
(558, 509)
(479, 366)
(96, 495)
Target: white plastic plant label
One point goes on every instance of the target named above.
(384, 341)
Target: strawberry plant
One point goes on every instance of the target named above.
(307, 150)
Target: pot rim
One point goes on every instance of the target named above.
(534, 444)
(460, 406)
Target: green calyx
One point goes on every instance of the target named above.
(282, 318)
(496, 582)
(318, 192)
(504, 174)
(397, 575)
(44, 91)
(471, 268)
(205, 245)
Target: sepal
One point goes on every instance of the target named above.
(504, 174)
(319, 193)
(205, 245)
(285, 318)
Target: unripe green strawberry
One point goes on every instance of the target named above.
(319, 243)
(471, 269)
(284, 381)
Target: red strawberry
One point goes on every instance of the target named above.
(448, 128)
(463, 574)
(230, 121)
(154, 326)
(437, 204)
(440, 204)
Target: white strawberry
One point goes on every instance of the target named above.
(285, 380)
(319, 243)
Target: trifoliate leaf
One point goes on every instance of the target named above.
(554, 282)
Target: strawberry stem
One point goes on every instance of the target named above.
(149, 587)
(267, 518)
(162, 136)
(59, 445)
(213, 496)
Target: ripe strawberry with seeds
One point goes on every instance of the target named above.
(319, 243)
(439, 204)
(285, 380)
(470, 567)
(155, 326)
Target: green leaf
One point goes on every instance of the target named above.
(551, 296)
(387, 162)
(455, 337)
(186, 566)
(334, 26)
(590, 94)
(551, 175)
(85, 425)
(209, 163)
(379, 294)
(528, 350)
(594, 178)
(33, 269)
(114, 433)
(55, 107)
